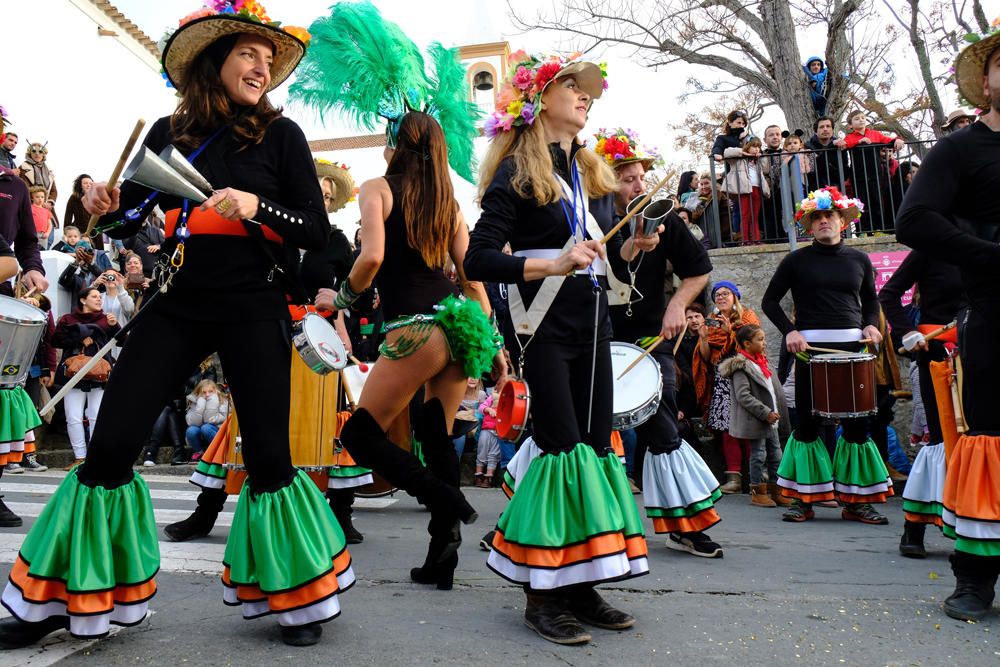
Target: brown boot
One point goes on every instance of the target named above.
(734, 483)
(774, 491)
(760, 497)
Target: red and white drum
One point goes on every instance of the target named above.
(513, 409)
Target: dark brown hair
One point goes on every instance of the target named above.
(746, 333)
(204, 105)
(429, 207)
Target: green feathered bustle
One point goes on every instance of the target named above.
(470, 333)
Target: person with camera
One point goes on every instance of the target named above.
(81, 334)
(89, 266)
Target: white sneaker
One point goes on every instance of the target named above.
(13, 469)
(148, 463)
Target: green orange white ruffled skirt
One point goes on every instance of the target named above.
(18, 418)
(571, 520)
(856, 475)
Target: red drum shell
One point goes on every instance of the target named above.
(513, 409)
(843, 385)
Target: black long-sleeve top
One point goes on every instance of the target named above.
(941, 293)
(224, 277)
(508, 217)
(951, 212)
(833, 287)
(329, 266)
(689, 259)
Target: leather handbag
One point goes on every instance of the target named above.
(99, 373)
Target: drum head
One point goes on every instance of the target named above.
(845, 358)
(13, 310)
(323, 339)
(637, 387)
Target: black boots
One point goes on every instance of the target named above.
(201, 522)
(589, 607)
(301, 635)
(976, 578)
(369, 446)
(15, 633)
(911, 544)
(341, 502)
(7, 518)
(550, 617)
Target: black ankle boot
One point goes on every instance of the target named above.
(201, 522)
(341, 501)
(15, 633)
(911, 544)
(369, 446)
(589, 607)
(974, 587)
(549, 616)
(7, 518)
(301, 635)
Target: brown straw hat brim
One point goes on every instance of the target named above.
(969, 70)
(588, 77)
(191, 39)
(847, 216)
(646, 162)
(342, 180)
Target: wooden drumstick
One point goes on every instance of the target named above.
(350, 394)
(360, 364)
(934, 334)
(680, 338)
(113, 181)
(638, 207)
(828, 350)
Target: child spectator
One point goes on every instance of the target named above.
(71, 240)
(793, 148)
(745, 177)
(870, 177)
(42, 214)
(488, 451)
(467, 419)
(756, 409)
(816, 72)
(207, 409)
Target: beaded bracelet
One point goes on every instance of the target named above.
(345, 296)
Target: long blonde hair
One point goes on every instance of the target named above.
(534, 171)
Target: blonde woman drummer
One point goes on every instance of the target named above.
(551, 198)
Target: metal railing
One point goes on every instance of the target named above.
(753, 199)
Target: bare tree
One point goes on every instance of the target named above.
(754, 44)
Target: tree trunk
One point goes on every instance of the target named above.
(791, 85)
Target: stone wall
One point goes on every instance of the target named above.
(751, 269)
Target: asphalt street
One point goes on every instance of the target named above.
(827, 592)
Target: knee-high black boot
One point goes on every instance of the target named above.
(202, 520)
(341, 502)
(446, 536)
(975, 580)
(369, 446)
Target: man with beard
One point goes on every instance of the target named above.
(7, 144)
(828, 162)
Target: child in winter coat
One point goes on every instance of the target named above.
(745, 178)
(757, 407)
(816, 73)
(207, 409)
(488, 451)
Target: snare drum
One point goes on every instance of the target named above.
(843, 385)
(513, 409)
(637, 394)
(21, 328)
(312, 428)
(319, 345)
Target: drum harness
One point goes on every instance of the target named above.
(527, 320)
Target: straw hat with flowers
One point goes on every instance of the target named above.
(971, 62)
(828, 199)
(343, 183)
(231, 17)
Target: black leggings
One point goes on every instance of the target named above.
(807, 425)
(659, 433)
(160, 354)
(936, 352)
(558, 376)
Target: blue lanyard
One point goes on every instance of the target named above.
(576, 221)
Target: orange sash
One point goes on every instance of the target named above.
(210, 222)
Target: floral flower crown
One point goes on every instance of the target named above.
(520, 96)
(621, 145)
(829, 199)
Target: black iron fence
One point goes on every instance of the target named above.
(751, 200)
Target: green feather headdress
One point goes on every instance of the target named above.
(366, 69)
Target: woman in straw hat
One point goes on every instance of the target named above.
(833, 292)
(951, 213)
(572, 522)
(91, 557)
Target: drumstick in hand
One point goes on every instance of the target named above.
(828, 350)
(360, 364)
(113, 181)
(934, 334)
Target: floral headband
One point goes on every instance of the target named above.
(829, 199)
(246, 9)
(621, 146)
(520, 97)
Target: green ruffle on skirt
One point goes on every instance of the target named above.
(470, 333)
(348, 472)
(213, 470)
(806, 463)
(618, 479)
(564, 499)
(93, 538)
(17, 414)
(282, 539)
(858, 465)
(685, 512)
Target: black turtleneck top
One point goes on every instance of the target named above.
(941, 293)
(508, 217)
(833, 287)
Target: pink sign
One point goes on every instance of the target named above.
(885, 264)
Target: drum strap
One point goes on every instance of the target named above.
(527, 321)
